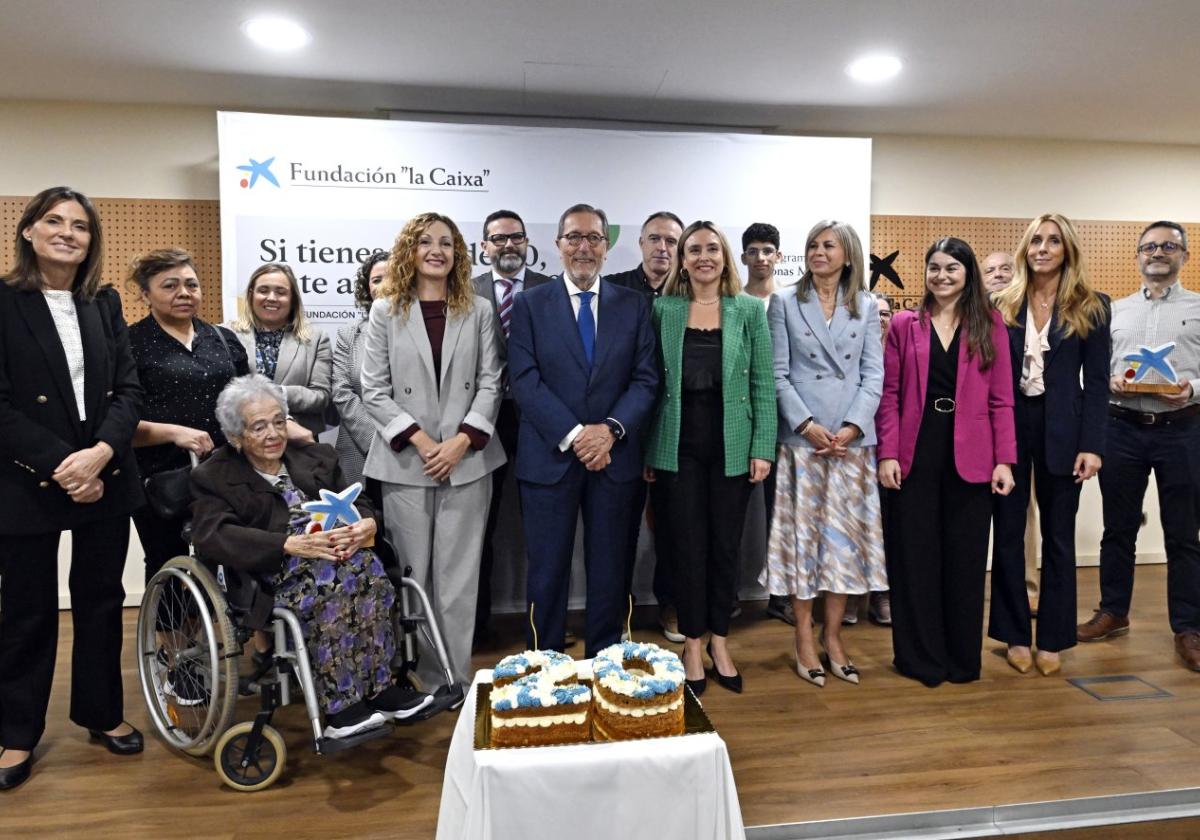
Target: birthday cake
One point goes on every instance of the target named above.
(537, 699)
(638, 692)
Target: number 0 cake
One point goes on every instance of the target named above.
(638, 691)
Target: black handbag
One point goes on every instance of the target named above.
(169, 492)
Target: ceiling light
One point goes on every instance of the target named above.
(874, 68)
(275, 33)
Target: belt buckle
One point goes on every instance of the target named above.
(1147, 418)
(944, 405)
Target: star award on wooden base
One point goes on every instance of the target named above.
(1149, 371)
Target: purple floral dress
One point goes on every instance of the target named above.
(345, 612)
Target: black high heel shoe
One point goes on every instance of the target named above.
(130, 743)
(733, 683)
(18, 774)
(697, 686)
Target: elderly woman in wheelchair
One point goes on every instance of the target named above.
(247, 515)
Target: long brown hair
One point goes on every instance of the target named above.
(26, 275)
(400, 284)
(1079, 307)
(974, 308)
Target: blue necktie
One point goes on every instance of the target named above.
(587, 325)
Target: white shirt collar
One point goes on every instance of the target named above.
(573, 290)
(517, 280)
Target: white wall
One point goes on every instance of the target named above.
(171, 152)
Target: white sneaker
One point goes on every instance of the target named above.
(371, 721)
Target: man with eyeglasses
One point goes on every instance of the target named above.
(1153, 432)
(582, 359)
(659, 241)
(505, 245)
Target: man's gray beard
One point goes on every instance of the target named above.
(582, 285)
(510, 263)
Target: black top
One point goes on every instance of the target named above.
(943, 367)
(181, 385)
(701, 360)
(636, 279)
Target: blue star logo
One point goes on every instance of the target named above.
(258, 170)
(336, 506)
(1153, 358)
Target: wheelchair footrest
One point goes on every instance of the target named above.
(329, 746)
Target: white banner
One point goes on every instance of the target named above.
(321, 194)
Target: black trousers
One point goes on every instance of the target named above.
(1172, 451)
(507, 424)
(29, 629)
(661, 582)
(937, 538)
(161, 539)
(703, 512)
(1058, 500)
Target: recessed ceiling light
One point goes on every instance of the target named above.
(276, 33)
(874, 68)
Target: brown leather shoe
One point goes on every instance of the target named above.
(1102, 625)
(1187, 645)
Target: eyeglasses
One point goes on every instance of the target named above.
(501, 238)
(262, 428)
(1148, 248)
(577, 239)
(765, 253)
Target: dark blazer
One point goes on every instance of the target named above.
(485, 289)
(556, 391)
(240, 520)
(1076, 414)
(39, 420)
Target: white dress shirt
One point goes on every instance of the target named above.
(573, 292)
(66, 321)
(1033, 364)
(518, 284)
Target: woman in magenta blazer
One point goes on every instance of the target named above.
(946, 443)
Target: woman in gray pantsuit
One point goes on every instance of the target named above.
(431, 382)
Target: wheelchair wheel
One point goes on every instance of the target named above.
(187, 656)
(249, 770)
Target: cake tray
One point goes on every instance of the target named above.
(695, 722)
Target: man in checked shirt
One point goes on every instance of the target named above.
(1154, 432)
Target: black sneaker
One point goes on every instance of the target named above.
(780, 607)
(352, 720)
(184, 684)
(399, 701)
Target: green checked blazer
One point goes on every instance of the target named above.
(747, 383)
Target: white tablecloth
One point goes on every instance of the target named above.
(659, 789)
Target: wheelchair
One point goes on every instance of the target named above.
(191, 634)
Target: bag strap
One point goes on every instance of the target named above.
(224, 344)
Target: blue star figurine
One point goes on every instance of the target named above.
(335, 507)
(1153, 358)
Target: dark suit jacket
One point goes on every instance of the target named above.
(556, 391)
(485, 289)
(39, 420)
(1076, 415)
(240, 520)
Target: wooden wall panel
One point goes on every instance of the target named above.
(1108, 248)
(133, 226)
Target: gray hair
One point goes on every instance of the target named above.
(240, 391)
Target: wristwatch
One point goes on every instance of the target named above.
(618, 431)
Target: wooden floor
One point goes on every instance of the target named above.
(799, 753)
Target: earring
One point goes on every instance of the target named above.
(683, 275)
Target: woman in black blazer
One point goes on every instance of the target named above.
(1058, 330)
(69, 405)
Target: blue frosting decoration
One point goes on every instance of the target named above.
(648, 686)
(526, 698)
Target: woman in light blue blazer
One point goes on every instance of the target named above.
(826, 534)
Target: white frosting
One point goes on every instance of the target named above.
(665, 666)
(637, 711)
(557, 666)
(542, 721)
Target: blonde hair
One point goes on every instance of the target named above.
(678, 284)
(400, 283)
(1079, 307)
(297, 323)
(851, 281)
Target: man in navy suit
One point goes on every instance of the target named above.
(582, 361)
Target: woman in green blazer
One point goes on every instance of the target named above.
(713, 436)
